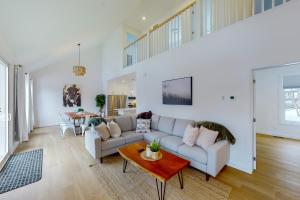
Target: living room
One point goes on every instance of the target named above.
(219, 49)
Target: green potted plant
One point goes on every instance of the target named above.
(100, 102)
(153, 149)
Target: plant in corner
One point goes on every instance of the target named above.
(100, 102)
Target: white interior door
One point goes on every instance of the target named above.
(3, 110)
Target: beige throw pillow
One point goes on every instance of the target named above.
(206, 137)
(190, 135)
(114, 129)
(102, 131)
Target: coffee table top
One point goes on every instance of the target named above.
(162, 169)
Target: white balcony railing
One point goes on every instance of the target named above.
(136, 52)
(173, 32)
(198, 19)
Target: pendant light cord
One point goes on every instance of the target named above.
(79, 53)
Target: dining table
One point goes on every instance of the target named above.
(80, 117)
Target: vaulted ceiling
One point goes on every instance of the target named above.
(41, 31)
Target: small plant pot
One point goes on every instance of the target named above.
(148, 152)
(155, 155)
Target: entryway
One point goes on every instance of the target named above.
(277, 127)
(121, 95)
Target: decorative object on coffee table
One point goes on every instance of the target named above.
(152, 152)
(163, 170)
(145, 157)
(154, 148)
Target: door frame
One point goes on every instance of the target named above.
(5, 157)
(253, 90)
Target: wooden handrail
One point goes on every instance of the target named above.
(140, 38)
(172, 17)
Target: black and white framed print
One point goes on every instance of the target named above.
(178, 91)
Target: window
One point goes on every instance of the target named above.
(263, 5)
(291, 93)
(278, 2)
(131, 55)
(130, 38)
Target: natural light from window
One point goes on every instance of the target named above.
(291, 88)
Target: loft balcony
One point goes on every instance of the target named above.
(197, 19)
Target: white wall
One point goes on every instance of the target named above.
(123, 85)
(221, 65)
(112, 57)
(269, 112)
(50, 80)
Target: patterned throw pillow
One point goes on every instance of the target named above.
(143, 125)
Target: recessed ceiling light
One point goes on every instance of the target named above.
(144, 18)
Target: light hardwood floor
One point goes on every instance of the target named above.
(277, 175)
(67, 174)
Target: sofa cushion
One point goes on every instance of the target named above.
(132, 136)
(195, 153)
(154, 135)
(154, 122)
(125, 123)
(114, 129)
(112, 143)
(171, 142)
(180, 126)
(133, 118)
(165, 124)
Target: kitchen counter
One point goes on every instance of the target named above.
(126, 111)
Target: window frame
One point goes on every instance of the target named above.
(281, 101)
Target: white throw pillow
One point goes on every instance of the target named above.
(102, 131)
(143, 125)
(114, 129)
(206, 137)
(190, 135)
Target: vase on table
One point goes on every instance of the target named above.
(148, 152)
(154, 155)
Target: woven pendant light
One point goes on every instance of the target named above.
(79, 70)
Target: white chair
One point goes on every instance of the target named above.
(85, 126)
(65, 125)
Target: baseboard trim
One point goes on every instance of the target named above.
(240, 167)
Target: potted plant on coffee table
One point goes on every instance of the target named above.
(153, 149)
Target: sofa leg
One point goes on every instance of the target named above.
(101, 160)
(207, 177)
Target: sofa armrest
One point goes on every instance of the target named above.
(93, 143)
(217, 157)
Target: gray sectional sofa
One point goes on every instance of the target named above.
(169, 132)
